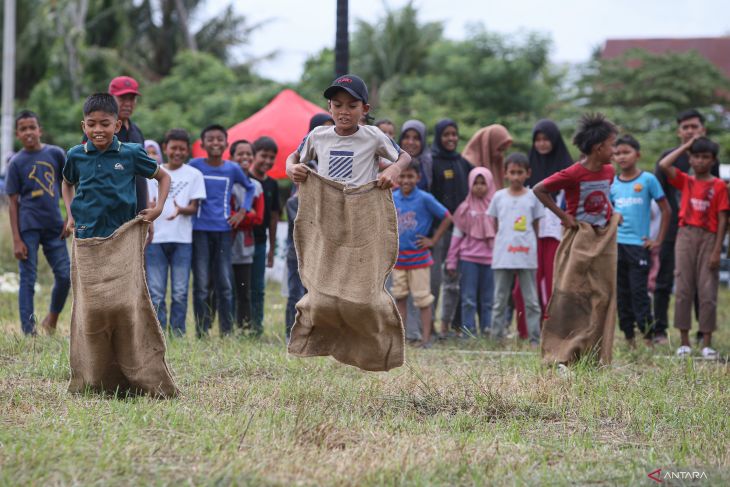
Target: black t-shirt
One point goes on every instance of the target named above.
(674, 196)
(271, 203)
(450, 183)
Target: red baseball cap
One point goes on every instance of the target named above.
(122, 85)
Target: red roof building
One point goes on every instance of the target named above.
(714, 49)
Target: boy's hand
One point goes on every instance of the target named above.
(175, 212)
(20, 251)
(65, 232)
(234, 220)
(452, 273)
(387, 178)
(150, 214)
(270, 258)
(70, 225)
(569, 221)
(715, 261)
(651, 244)
(298, 173)
(424, 242)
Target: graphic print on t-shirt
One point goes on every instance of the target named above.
(216, 185)
(594, 204)
(520, 224)
(340, 165)
(44, 175)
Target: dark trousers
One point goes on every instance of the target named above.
(663, 289)
(258, 288)
(296, 292)
(632, 277)
(212, 261)
(242, 290)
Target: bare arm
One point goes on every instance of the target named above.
(666, 214)
(667, 163)
(163, 188)
(388, 177)
(296, 171)
(543, 195)
(273, 225)
(68, 191)
(20, 251)
(427, 243)
(719, 237)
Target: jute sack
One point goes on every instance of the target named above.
(116, 341)
(347, 244)
(582, 311)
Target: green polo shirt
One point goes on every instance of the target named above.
(106, 196)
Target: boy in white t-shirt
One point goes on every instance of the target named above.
(517, 212)
(171, 249)
(348, 152)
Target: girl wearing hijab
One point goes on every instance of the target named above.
(450, 186)
(153, 150)
(548, 155)
(413, 140)
(486, 148)
(471, 250)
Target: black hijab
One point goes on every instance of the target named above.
(437, 150)
(543, 166)
(319, 119)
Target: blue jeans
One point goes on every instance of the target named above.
(258, 286)
(212, 260)
(296, 292)
(57, 256)
(477, 291)
(177, 257)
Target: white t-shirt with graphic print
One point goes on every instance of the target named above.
(350, 159)
(186, 184)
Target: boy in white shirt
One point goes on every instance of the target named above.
(171, 249)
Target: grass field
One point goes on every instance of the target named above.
(457, 414)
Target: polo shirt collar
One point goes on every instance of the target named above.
(114, 146)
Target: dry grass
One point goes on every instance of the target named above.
(250, 414)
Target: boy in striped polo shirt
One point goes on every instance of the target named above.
(417, 210)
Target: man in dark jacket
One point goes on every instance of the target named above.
(126, 90)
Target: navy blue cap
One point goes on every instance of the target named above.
(352, 84)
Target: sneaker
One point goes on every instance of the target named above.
(709, 353)
(684, 351)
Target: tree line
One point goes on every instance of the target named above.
(191, 75)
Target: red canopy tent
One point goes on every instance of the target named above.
(285, 119)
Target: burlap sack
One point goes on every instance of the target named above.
(347, 244)
(116, 341)
(582, 311)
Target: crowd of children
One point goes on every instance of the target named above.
(482, 249)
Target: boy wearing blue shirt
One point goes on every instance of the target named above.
(417, 210)
(33, 186)
(99, 175)
(212, 237)
(631, 194)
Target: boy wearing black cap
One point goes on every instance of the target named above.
(348, 153)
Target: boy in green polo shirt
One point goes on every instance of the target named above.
(98, 177)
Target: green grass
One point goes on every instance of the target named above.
(251, 415)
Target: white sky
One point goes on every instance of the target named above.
(299, 28)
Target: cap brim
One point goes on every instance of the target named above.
(330, 92)
(126, 92)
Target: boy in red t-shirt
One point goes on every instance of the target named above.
(587, 183)
(702, 225)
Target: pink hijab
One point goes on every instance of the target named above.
(471, 216)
